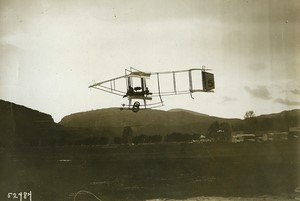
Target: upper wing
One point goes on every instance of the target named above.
(161, 83)
(183, 82)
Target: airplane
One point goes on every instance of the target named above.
(136, 88)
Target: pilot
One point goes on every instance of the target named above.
(137, 88)
(147, 91)
(129, 92)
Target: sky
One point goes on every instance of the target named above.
(51, 51)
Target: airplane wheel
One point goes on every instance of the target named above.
(137, 103)
(121, 108)
(135, 108)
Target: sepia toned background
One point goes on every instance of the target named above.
(197, 149)
(52, 50)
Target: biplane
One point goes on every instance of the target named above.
(137, 86)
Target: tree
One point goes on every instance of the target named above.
(226, 128)
(146, 139)
(219, 132)
(178, 137)
(127, 135)
(249, 114)
(250, 122)
(102, 140)
(140, 139)
(155, 138)
(266, 125)
(212, 130)
(117, 140)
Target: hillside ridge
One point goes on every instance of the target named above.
(151, 122)
(20, 125)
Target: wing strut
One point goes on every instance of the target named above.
(191, 83)
(174, 83)
(158, 85)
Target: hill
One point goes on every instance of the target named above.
(22, 125)
(187, 111)
(110, 122)
(273, 122)
(147, 122)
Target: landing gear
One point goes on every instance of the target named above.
(136, 106)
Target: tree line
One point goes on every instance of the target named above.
(217, 131)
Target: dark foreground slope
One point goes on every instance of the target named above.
(23, 126)
(20, 125)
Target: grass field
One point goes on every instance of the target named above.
(152, 172)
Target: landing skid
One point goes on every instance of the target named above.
(137, 106)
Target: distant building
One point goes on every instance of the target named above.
(237, 138)
(243, 138)
(294, 133)
(275, 136)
